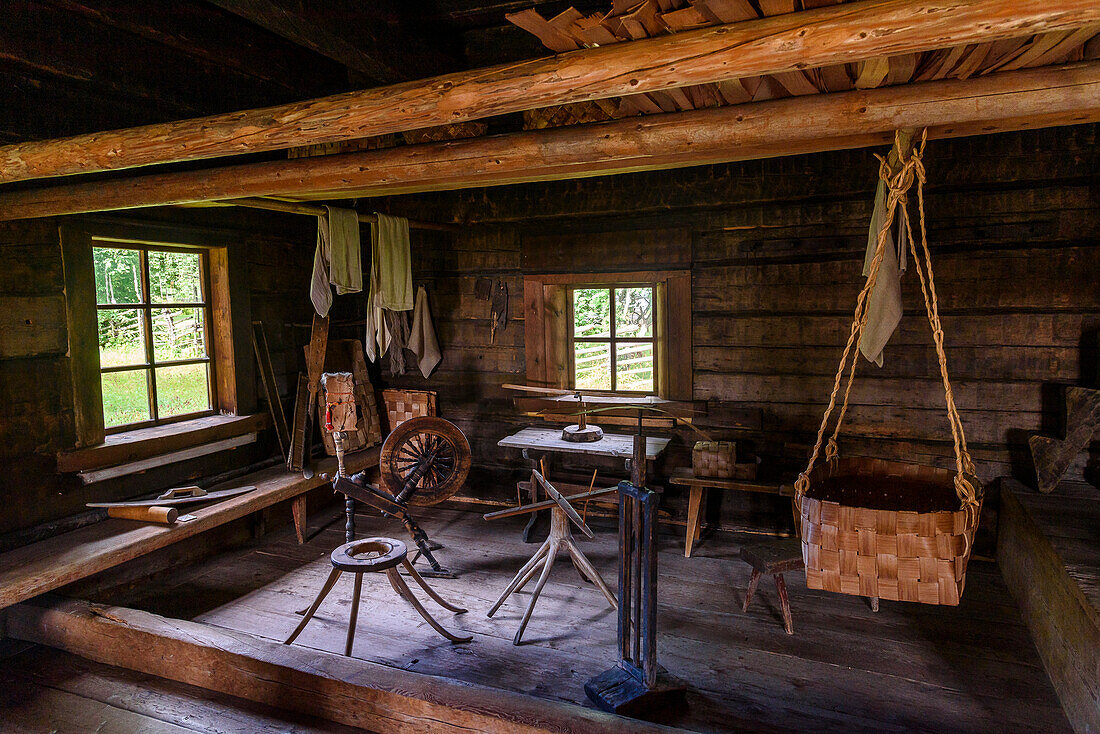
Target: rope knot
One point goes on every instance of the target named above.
(831, 450)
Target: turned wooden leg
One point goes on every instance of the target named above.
(785, 603)
(405, 593)
(551, 556)
(354, 619)
(519, 577)
(329, 583)
(752, 589)
(298, 511)
(695, 511)
(429, 591)
(590, 572)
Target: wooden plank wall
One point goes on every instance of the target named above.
(775, 249)
(36, 410)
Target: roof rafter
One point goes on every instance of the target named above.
(794, 41)
(995, 103)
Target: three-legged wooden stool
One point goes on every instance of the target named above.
(774, 557)
(560, 541)
(372, 555)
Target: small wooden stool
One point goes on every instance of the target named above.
(372, 555)
(774, 557)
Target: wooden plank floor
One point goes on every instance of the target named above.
(908, 668)
(44, 690)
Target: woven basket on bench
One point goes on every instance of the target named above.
(402, 405)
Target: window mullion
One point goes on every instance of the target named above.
(613, 350)
(147, 309)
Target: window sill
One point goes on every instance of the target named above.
(146, 443)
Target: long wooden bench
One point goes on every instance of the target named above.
(1048, 549)
(49, 564)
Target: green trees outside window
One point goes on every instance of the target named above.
(154, 333)
(613, 338)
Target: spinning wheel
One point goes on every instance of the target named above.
(424, 461)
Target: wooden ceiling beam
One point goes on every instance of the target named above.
(1017, 100)
(828, 35)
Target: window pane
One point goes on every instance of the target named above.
(178, 334)
(633, 312)
(634, 364)
(182, 389)
(117, 275)
(175, 277)
(121, 337)
(125, 398)
(592, 312)
(592, 366)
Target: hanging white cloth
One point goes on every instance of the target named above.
(336, 261)
(390, 280)
(884, 306)
(423, 342)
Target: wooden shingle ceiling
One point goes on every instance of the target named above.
(627, 20)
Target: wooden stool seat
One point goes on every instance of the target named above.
(369, 555)
(376, 555)
(775, 557)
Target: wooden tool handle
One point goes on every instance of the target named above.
(162, 515)
(532, 388)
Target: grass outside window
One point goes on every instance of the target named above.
(153, 311)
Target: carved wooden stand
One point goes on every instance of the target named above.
(560, 540)
(637, 686)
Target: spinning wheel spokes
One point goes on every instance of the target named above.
(425, 460)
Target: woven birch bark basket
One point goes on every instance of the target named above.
(890, 529)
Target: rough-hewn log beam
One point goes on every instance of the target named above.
(1000, 102)
(828, 35)
(345, 690)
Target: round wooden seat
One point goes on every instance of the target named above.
(369, 555)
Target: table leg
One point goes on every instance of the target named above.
(695, 511)
(785, 603)
(298, 511)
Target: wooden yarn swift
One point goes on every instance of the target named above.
(561, 539)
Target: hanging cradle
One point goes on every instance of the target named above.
(889, 529)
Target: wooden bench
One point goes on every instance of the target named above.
(697, 497)
(49, 564)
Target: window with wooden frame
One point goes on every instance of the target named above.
(610, 332)
(155, 340)
(613, 339)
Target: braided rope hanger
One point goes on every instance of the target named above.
(898, 184)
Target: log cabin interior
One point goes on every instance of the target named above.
(297, 296)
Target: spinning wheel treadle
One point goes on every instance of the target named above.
(424, 461)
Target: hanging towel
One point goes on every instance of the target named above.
(397, 324)
(336, 260)
(393, 263)
(884, 304)
(390, 281)
(423, 343)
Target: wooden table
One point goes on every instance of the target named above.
(549, 440)
(696, 499)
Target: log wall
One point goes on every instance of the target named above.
(775, 248)
(36, 404)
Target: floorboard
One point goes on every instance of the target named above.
(907, 668)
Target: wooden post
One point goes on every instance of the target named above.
(637, 686)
